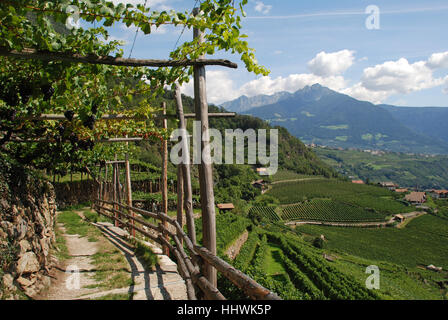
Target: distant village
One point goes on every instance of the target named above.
(413, 196)
(370, 151)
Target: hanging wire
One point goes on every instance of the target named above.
(135, 36)
(185, 26)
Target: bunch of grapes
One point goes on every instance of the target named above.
(69, 114)
(9, 95)
(48, 91)
(25, 91)
(86, 144)
(8, 114)
(89, 122)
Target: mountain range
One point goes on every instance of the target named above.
(316, 114)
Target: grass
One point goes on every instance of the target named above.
(111, 267)
(118, 296)
(75, 225)
(273, 264)
(145, 254)
(289, 175)
(396, 282)
(61, 250)
(424, 241)
(112, 270)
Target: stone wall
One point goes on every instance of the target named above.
(27, 211)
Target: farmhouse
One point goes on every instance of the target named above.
(223, 207)
(260, 184)
(403, 190)
(389, 185)
(399, 218)
(416, 197)
(358, 181)
(439, 194)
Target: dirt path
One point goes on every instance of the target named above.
(162, 283)
(408, 217)
(64, 284)
(295, 180)
(340, 224)
(235, 247)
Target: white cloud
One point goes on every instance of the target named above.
(291, 83)
(399, 77)
(263, 8)
(220, 87)
(438, 60)
(377, 83)
(331, 64)
(361, 93)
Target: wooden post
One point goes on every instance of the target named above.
(188, 199)
(119, 197)
(205, 168)
(129, 191)
(180, 199)
(106, 188)
(164, 179)
(114, 184)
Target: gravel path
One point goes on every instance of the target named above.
(64, 285)
(162, 283)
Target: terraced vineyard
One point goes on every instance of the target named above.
(368, 198)
(266, 212)
(300, 274)
(329, 211)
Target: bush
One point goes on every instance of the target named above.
(318, 243)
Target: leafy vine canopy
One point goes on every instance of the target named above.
(84, 92)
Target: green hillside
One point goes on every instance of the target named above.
(406, 170)
(325, 117)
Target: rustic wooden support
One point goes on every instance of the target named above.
(115, 117)
(180, 196)
(188, 265)
(143, 232)
(186, 172)
(186, 276)
(165, 174)
(114, 184)
(133, 218)
(28, 53)
(210, 291)
(129, 190)
(205, 167)
(242, 281)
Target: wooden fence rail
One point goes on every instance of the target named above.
(188, 263)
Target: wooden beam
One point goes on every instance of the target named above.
(165, 176)
(205, 167)
(180, 197)
(186, 172)
(129, 191)
(29, 53)
(119, 117)
(241, 280)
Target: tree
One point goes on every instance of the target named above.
(83, 91)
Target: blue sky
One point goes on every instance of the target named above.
(404, 62)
